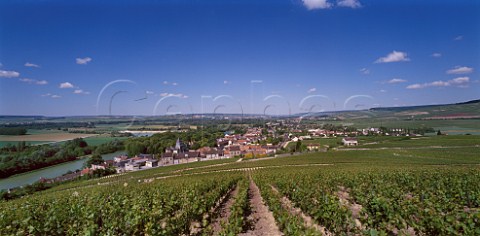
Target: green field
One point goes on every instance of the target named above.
(399, 186)
(101, 139)
(5, 143)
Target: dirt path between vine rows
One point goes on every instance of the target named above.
(308, 221)
(262, 218)
(224, 211)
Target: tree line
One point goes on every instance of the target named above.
(16, 160)
(13, 131)
(157, 143)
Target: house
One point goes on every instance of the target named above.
(120, 158)
(166, 159)
(99, 167)
(85, 171)
(313, 146)
(234, 151)
(151, 163)
(270, 149)
(348, 141)
(131, 166)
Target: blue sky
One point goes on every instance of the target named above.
(274, 57)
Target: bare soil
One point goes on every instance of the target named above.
(308, 220)
(262, 218)
(224, 211)
(355, 208)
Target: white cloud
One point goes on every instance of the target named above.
(27, 80)
(51, 95)
(460, 37)
(396, 81)
(66, 85)
(8, 74)
(436, 54)
(365, 71)
(28, 64)
(226, 82)
(415, 86)
(80, 91)
(312, 90)
(165, 82)
(83, 61)
(41, 82)
(383, 91)
(460, 70)
(179, 95)
(349, 3)
(34, 81)
(393, 57)
(316, 4)
(174, 84)
(149, 92)
(459, 82)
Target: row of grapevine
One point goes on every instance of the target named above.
(432, 201)
(167, 207)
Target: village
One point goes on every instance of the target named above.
(252, 144)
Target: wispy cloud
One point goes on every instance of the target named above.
(459, 82)
(460, 70)
(460, 37)
(349, 3)
(170, 83)
(66, 85)
(317, 4)
(365, 71)
(41, 82)
(396, 81)
(149, 92)
(28, 64)
(179, 95)
(393, 57)
(51, 95)
(83, 61)
(226, 82)
(8, 74)
(34, 81)
(80, 91)
(436, 54)
(312, 90)
(383, 91)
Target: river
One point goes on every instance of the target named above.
(48, 172)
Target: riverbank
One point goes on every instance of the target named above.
(49, 172)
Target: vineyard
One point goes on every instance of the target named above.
(382, 192)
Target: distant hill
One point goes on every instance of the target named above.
(463, 110)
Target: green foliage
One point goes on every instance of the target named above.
(95, 159)
(157, 143)
(13, 131)
(27, 158)
(431, 201)
(164, 207)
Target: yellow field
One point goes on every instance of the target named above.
(49, 137)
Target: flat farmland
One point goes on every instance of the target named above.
(101, 139)
(43, 137)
